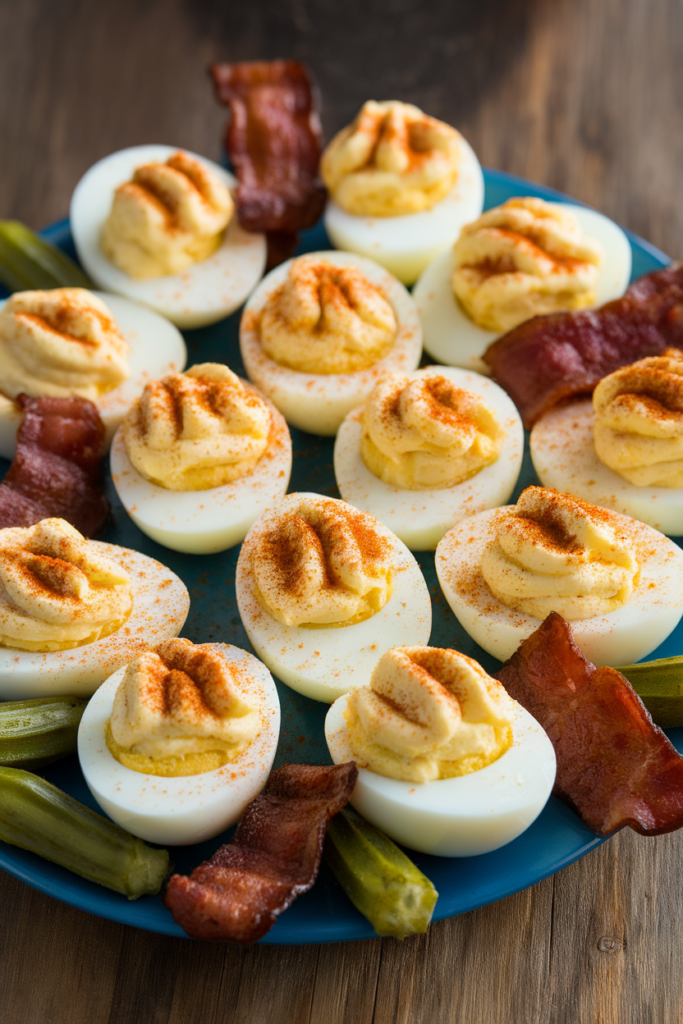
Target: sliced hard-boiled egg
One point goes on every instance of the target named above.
(462, 816)
(202, 522)
(160, 606)
(619, 637)
(190, 808)
(407, 244)
(421, 517)
(451, 337)
(203, 293)
(324, 661)
(156, 348)
(564, 457)
(319, 402)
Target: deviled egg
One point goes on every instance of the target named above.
(175, 745)
(149, 223)
(321, 330)
(199, 457)
(448, 763)
(622, 449)
(428, 449)
(618, 581)
(70, 341)
(323, 590)
(522, 259)
(72, 611)
(402, 185)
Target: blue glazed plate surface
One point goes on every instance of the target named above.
(324, 914)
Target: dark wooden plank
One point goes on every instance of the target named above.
(346, 982)
(57, 964)
(616, 938)
(489, 965)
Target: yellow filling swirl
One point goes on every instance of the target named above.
(523, 259)
(424, 432)
(179, 711)
(167, 218)
(638, 429)
(60, 342)
(57, 590)
(322, 564)
(327, 319)
(392, 160)
(556, 553)
(428, 714)
(198, 429)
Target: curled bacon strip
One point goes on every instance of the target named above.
(57, 469)
(615, 767)
(550, 358)
(273, 858)
(274, 141)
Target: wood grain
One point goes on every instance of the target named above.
(582, 95)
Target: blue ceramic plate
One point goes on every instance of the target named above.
(324, 914)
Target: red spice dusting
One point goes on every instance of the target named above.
(308, 537)
(182, 676)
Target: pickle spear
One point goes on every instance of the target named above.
(28, 261)
(659, 684)
(37, 816)
(379, 879)
(35, 732)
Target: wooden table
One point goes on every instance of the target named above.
(582, 95)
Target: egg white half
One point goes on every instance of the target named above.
(564, 457)
(160, 606)
(420, 518)
(319, 402)
(407, 244)
(201, 294)
(190, 808)
(618, 638)
(156, 348)
(324, 662)
(449, 334)
(459, 817)
(203, 522)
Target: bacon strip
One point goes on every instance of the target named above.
(274, 141)
(57, 469)
(615, 767)
(550, 358)
(273, 858)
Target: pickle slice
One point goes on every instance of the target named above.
(28, 261)
(35, 732)
(37, 816)
(379, 879)
(659, 684)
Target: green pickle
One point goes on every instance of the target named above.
(28, 261)
(37, 816)
(659, 684)
(35, 732)
(379, 879)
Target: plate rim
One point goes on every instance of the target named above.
(44, 876)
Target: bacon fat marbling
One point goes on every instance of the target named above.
(273, 858)
(274, 141)
(615, 767)
(550, 358)
(57, 468)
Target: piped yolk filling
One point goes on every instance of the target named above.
(210, 753)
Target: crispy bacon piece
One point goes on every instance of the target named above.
(57, 469)
(274, 141)
(615, 767)
(273, 858)
(550, 358)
